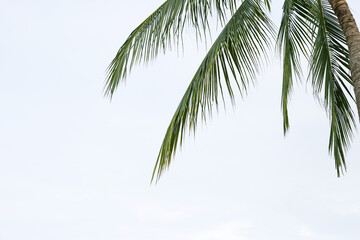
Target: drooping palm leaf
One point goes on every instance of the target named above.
(236, 52)
(329, 65)
(294, 39)
(159, 31)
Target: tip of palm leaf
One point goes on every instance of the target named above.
(285, 130)
(341, 170)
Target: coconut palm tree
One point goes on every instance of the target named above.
(352, 34)
(312, 28)
(308, 28)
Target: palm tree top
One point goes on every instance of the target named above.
(308, 28)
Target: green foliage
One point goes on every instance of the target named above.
(237, 51)
(308, 28)
(329, 65)
(294, 39)
(160, 31)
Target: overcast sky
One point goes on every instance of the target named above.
(74, 165)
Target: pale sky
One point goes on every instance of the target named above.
(76, 166)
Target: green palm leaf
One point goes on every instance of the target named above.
(294, 39)
(329, 65)
(160, 31)
(236, 52)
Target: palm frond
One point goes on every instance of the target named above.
(268, 4)
(330, 74)
(160, 31)
(294, 39)
(236, 52)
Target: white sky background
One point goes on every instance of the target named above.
(76, 166)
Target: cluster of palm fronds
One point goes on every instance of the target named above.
(308, 28)
(311, 27)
